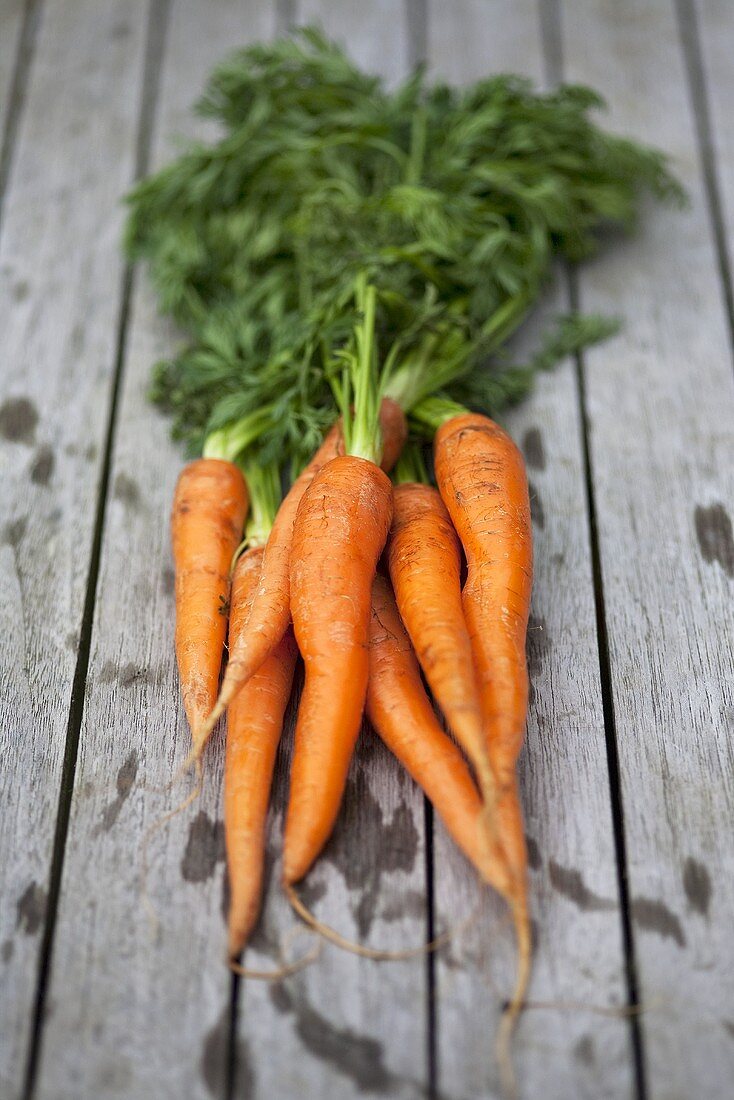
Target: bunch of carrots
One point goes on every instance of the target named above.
(349, 264)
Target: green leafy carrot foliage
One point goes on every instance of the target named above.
(451, 203)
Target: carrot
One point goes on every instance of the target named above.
(270, 614)
(482, 480)
(481, 477)
(254, 725)
(400, 710)
(209, 507)
(424, 559)
(339, 534)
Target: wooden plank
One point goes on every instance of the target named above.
(375, 34)
(60, 287)
(715, 20)
(347, 1025)
(11, 24)
(565, 786)
(135, 1013)
(661, 411)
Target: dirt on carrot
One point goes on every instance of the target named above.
(254, 725)
(339, 534)
(271, 612)
(401, 712)
(424, 559)
(209, 508)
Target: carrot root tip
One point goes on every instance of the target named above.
(374, 953)
(284, 971)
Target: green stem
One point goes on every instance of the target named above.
(430, 413)
(263, 484)
(229, 442)
(417, 146)
(412, 378)
(362, 434)
(411, 466)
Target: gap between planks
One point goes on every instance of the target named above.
(690, 37)
(16, 90)
(155, 39)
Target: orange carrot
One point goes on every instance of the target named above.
(424, 559)
(254, 725)
(209, 507)
(400, 710)
(270, 613)
(339, 534)
(481, 477)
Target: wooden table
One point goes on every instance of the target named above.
(627, 775)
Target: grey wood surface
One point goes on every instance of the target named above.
(627, 771)
(148, 1005)
(11, 26)
(565, 784)
(661, 411)
(60, 294)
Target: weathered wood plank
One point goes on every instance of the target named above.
(716, 28)
(133, 1013)
(60, 287)
(376, 34)
(565, 786)
(661, 411)
(347, 1025)
(11, 23)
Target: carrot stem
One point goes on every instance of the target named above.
(229, 442)
(263, 481)
(431, 412)
(411, 466)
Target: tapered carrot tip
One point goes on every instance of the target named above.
(511, 1014)
(208, 513)
(239, 932)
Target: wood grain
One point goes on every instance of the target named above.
(565, 785)
(348, 1026)
(60, 289)
(661, 412)
(135, 1011)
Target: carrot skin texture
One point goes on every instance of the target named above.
(254, 726)
(481, 477)
(270, 613)
(209, 508)
(401, 712)
(424, 559)
(339, 534)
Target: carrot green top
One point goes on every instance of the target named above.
(447, 207)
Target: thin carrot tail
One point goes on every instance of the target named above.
(511, 1013)
(377, 954)
(280, 972)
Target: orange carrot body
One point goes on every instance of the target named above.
(270, 613)
(209, 507)
(254, 725)
(481, 477)
(400, 710)
(340, 530)
(424, 558)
